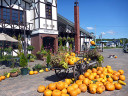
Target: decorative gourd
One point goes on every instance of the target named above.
(2, 77)
(31, 73)
(41, 88)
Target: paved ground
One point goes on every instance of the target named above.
(27, 85)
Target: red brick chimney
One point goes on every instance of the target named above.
(77, 26)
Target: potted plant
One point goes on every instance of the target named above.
(23, 63)
(37, 67)
(39, 55)
(14, 72)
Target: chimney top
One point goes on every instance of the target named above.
(76, 3)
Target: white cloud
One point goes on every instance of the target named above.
(103, 33)
(90, 28)
(111, 32)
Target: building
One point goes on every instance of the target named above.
(38, 19)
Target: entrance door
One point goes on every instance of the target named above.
(48, 43)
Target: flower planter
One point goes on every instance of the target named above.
(15, 74)
(24, 71)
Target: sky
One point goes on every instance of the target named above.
(106, 17)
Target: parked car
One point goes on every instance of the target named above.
(125, 48)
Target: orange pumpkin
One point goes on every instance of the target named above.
(35, 72)
(64, 91)
(66, 85)
(46, 70)
(75, 86)
(100, 69)
(73, 54)
(92, 90)
(92, 43)
(86, 74)
(31, 73)
(98, 72)
(71, 61)
(83, 87)
(110, 87)
(94, 70)
(70, 88)
(118, 86)
(81, 77)
(64, 95)
(56, 93)
(68, 81)
(102, 75)
(41, 88)
(78, 90)
(2, 77)
(91, 77)
(60, 85)
(116, 73)
(110, 80)
(47, 92)
(115, 78)
(89, 70)
(121, 72)
(86, 81)
(115, 56)
(97, 76)
(122, 77)
(78, 82)
(99, 84)
(103, 87)
(99, 90)
(73, 93)
(93, 86)
(52, 86)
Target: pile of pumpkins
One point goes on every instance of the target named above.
(71, 58)
(36, 72)
(96, 80)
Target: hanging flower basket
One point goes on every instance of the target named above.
(69, 39)
(64, 39)
(72, 39)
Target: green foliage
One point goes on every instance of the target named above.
(23, 60)
(30, 56)
(37, 67)
(32, 60)
(69, 39)
(14, 70)
(60, 41)
(20, 49)
(64, 39)
(30, 48)
(48, 57)
(70, 49)
(5, 74)
(100, 59)
(72, 40)
(55, 61)
(44, 52)
(39, 52)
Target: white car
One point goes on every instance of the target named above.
(125, 49)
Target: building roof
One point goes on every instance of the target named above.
(66, 21)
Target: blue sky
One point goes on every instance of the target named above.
(109, 16)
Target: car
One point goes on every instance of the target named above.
(125, 48)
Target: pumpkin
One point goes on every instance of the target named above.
(115, 78)
(103, 87)
(86, 81)
(46, 70)
(31, 73)
(78, 82)
(60, 85)
(118, 86)
(83, 87)
(94, 70)
(108, 67)
(68, 81)
(64, 91)
(89, 70)
(99, 84)
(92, 43)
(78, 90)
(86, 74)
(100, 69)
(35, 72)
(47, 92)
(121, 72)
(92, 90)
(99, 90)
(81, 77)
(64, 95)
(110, 87)
(110, 80)
(115, 56)
(97, 76)
(75, 86)
(71, 61)
(93, 86)
(56, 93)
(2, 77)
(73, 93)
(102, 75)
(73, 54)
(41, 88)
(99, 72)
(116, 73)
(70, 88)
(52, 86)
(122, 77)
(66, 85)
(91, 77)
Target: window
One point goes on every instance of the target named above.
(11, 15)
(48, 11)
